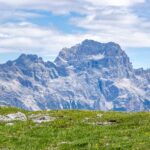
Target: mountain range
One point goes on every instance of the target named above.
(90, 75)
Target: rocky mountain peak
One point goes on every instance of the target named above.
(28, 58)
(89, 75)
(91, 54)
(89, 48)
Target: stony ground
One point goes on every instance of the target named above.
(73, 130)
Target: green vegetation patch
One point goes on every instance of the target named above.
(76, 130)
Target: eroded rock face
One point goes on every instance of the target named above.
(108, 58)
(89, 75)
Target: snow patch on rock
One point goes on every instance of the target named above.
(96, 57)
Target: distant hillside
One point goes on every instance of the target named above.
(90, 75)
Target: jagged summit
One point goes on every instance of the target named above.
(106, 57)
(89, 41)
(92, 42)
(89, 75)
(91, 47)
(28, 58)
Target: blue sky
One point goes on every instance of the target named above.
(45, 27)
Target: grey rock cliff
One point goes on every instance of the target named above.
(90, 75)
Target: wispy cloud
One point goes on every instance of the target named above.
(124, 3)
(30, 38)
(109, 20)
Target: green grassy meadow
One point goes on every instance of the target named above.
(77, 130)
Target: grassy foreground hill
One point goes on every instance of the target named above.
(75, 130)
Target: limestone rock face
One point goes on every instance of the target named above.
(89, 75)
(13, 117)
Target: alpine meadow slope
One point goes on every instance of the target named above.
(73, 130)
(90, 75)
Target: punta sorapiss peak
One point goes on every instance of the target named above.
(90, 75)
